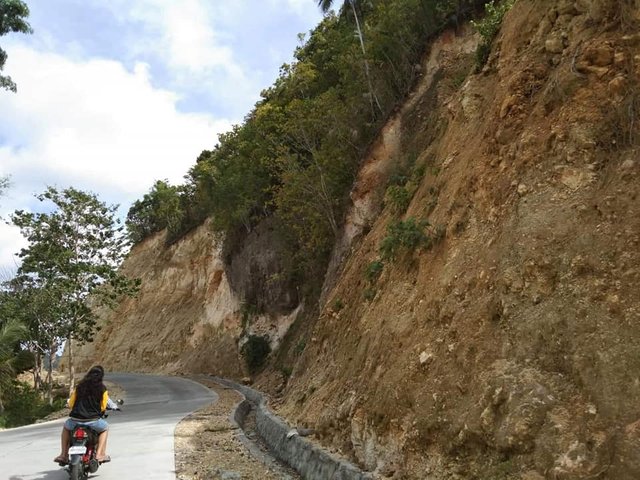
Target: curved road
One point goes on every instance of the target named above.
(140, 437)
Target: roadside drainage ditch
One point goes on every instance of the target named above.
(261, 427)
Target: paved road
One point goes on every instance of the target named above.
(140, 438)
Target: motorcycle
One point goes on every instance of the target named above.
(82, 450)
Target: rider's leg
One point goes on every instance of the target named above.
(64, 443)
(102, 445)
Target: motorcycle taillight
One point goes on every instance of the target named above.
(80, 434)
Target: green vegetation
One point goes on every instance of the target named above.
(13, 14)
(369, 294)
(373, 271)
(489, 27)
(338, 305)
(69, 268)
(295, 157)
(408, 235)
(12, 331)
(163, 207)
(25, 405)
(299, 348)
(4, 184)
(398, 198)
(255, 352)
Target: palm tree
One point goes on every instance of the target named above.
(11, 332)
(325, 6)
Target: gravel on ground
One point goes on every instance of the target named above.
(207, 446)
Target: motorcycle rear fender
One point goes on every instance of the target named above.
(75, 459)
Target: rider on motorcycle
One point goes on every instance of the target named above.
(88, 403)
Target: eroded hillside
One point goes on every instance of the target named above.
(511, 347)
(507, 347)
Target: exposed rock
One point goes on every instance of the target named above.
(256, 268)
(226, 475)
(567, 7)
(505, 134)
(600, 55)
(575, 178)
(618, 86)
(584, 459)
(596, 9)
(631, 40)
(554, 44)
(531, 475)
(522, 189)
(626, 463)
(628, 165)
(425, 357)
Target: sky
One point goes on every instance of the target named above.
(115, 94)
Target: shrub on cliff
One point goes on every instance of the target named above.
(489, 27)
(255, 352)
(409, 235)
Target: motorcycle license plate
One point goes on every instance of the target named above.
(79, 450)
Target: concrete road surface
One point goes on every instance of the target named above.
(140, 437)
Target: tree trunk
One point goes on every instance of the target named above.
(50, 375)
(372, 94)
(37, 367)
(72, 369)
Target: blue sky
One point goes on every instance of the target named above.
(114, 94)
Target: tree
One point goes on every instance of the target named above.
(12, 19)
(37, 307)
(159, 209)
(4, 184)
(325, 6)
(72, 255)
(12, 331)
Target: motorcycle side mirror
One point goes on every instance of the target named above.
(120, 402)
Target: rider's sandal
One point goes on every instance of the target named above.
(61, 460)
(106, 459)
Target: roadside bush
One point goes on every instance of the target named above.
(24, 406)
(255, 352)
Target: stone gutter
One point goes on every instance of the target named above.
(310, 461)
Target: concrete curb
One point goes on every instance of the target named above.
(237, 418)
(311, 462)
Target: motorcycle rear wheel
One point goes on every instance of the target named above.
(76, 472)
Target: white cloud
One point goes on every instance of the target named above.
(10, 244)
(97, 123)
(183, 31)
(94, 125)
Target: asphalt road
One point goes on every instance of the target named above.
(140, 437)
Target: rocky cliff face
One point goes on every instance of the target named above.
(190, 315)
(511, 347)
